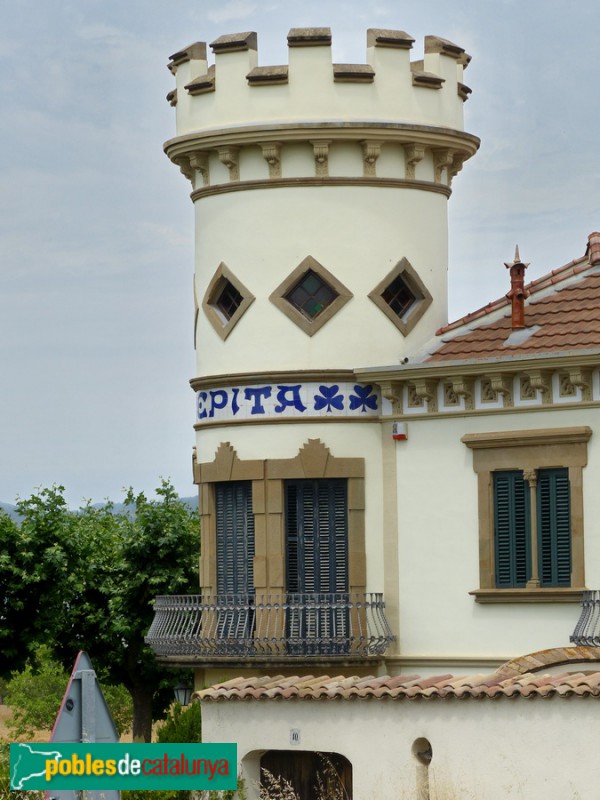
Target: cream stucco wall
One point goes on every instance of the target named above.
(438, 545)
(359, 234)
(482, 750)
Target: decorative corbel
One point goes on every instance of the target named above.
(541, 380)
(230, 157)
(458, 159)
(371, 152)
(321, 153)
(414, 154)
(199, 162)
(272, 154)
(463, 387)
(582, 379)
(392, 391)
(442, 160)
(427, 390)
(502, 385)
(183, 162)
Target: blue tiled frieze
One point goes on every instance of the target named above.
(283, 400)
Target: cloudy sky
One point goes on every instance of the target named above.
(96, 224)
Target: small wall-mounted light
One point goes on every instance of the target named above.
(399, 431)
(183, 693)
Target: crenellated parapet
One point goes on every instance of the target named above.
(389, 119)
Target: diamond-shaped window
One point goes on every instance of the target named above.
(226, 300)
(402, 296)
(310, 296)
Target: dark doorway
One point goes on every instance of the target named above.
(304, 770)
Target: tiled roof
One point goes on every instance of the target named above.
(562, 313)
(409, 687)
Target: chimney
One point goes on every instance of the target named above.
(518, 292)
(593, 249)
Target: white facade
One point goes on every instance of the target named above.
(482, 749)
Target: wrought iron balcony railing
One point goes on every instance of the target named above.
(230, 626)
(587, 630)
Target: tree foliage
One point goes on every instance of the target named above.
(181, 725)
(35, 693)
(86, 580)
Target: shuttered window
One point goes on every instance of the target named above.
(554, 527)
(317, 567)
(512, 528)
(235, 537)
(317, 536)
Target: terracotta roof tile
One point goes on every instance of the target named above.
(493, 686)
(567, 318)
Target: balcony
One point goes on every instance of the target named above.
(587, 630)
(270, 628)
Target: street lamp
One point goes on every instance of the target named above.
(183, 693)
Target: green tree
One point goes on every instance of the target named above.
(34, 572)
(86, 581)
(35, 694)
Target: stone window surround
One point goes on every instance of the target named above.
(528, 450)
(310, 326)
(268, 477)
(224, 327)
(423, 299)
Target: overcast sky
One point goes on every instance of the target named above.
(96, 227)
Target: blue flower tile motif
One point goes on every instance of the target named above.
(329, 397)
(364, 398)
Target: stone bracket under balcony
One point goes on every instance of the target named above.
(272, 629)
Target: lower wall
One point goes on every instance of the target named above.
(533, 749)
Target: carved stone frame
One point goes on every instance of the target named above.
(423, 298)
(314, 460)
(310, 326)
(225, 275)
(528, 450)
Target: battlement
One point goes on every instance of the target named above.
(388, 87)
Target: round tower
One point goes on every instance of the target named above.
(320, 194)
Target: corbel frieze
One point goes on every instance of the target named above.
(199, 162)
(442, 160)
(183, 162)
(426, 390)
(502, 385)
(414, 153)
(371, 152)
(541, 380)
(229, 156)
(392, 391)
(321, 154)
(581, 379)
(272, 154)
(463, 388)
(458, 160)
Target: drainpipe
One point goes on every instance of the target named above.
(517, 293)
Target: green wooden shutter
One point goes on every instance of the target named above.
(235, 537)
(317, 536)
(554, 527)
(317, 566)
(511, 529)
